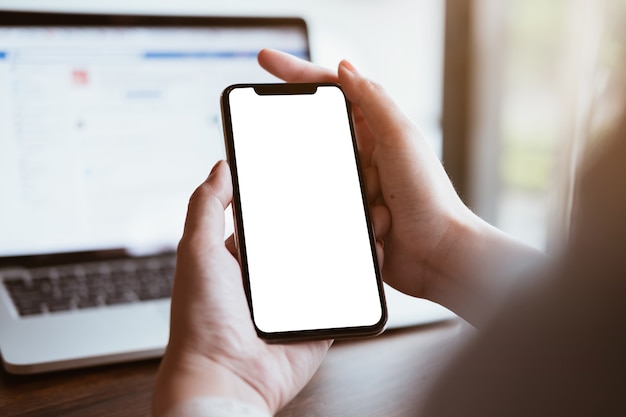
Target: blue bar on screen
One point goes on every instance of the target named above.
(209, 54)
(3, 55)
(197, 54)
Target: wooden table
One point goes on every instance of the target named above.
(384, 376)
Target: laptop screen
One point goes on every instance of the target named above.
(106, 130)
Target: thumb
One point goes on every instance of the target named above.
(205, 213)
(385, 119)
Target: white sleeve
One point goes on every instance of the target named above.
(214, 407)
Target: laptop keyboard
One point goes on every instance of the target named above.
(90, 285)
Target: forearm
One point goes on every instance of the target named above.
(479, 264)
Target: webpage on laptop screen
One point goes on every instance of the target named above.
(105, 132)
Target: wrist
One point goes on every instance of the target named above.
(184, 377)
(214, 407)
(479, 263)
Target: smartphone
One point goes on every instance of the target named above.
(302, 226)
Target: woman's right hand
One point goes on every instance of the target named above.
(431, 245)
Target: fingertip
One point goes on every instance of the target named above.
(381, 220)
(382, 115)
(359, 86)
(350, 78)
(220, 182)
(291, 68)
(346, 65)
(345, 72)
(278, 63)
(262, 56)
(205, 211)
(219, 165)
(215, 168)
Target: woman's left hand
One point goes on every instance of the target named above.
(213, 349)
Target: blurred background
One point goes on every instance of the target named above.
(510, 93)
(397, 42)
(547, 83)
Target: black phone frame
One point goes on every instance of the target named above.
(298, 335)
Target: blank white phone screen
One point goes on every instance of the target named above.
(309, 255)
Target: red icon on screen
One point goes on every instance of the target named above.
(80, 77)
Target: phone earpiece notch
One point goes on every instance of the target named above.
(285, 88)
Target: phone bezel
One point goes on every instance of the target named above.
(310, 334)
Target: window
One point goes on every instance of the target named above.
(547, 82)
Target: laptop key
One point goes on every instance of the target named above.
(62, 304)
(88, 302)
(24, 295)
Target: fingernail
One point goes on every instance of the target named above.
(348, 66)
(214, 169)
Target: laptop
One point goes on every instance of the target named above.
(107, 125)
